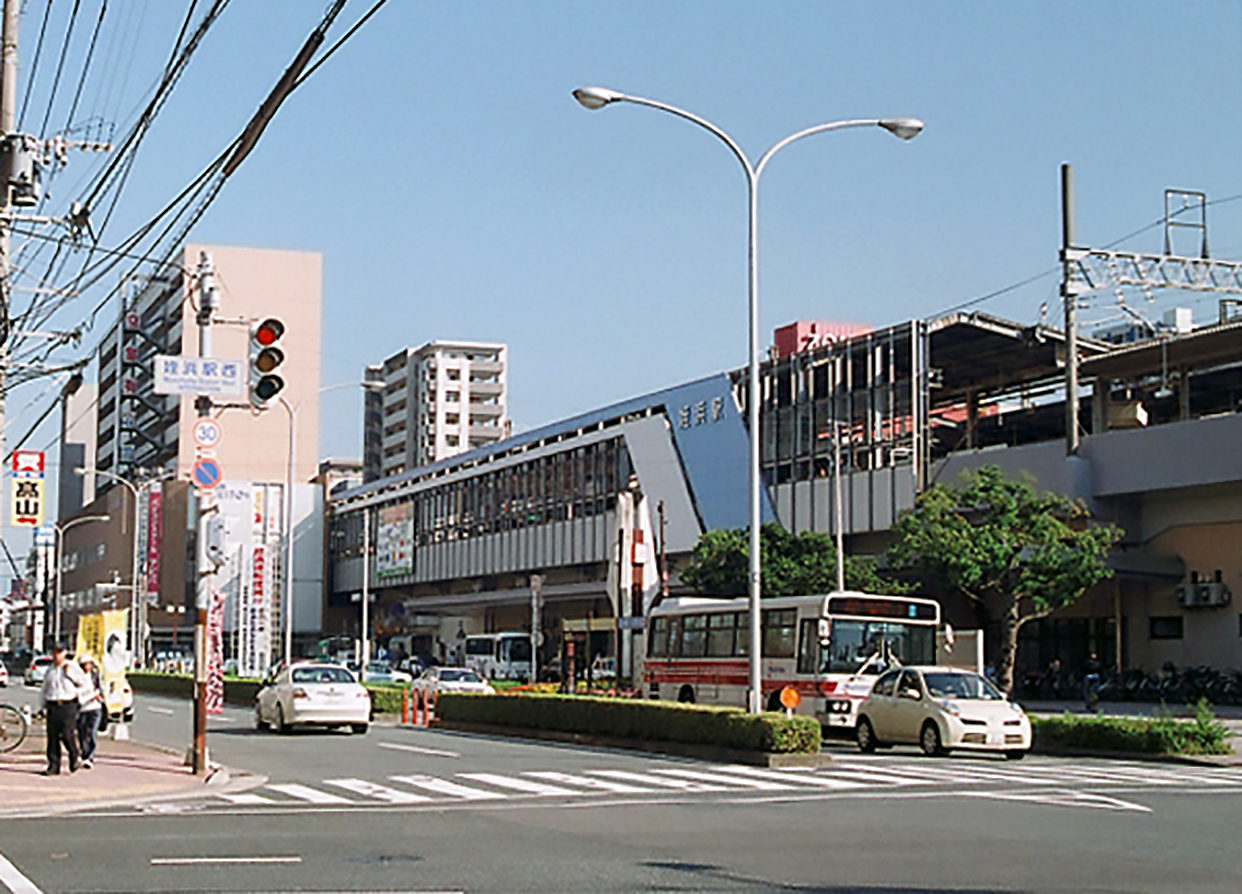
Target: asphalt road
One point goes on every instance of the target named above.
(476, 814)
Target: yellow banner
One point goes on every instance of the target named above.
(102, 636)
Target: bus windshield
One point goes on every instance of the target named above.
(854, 642)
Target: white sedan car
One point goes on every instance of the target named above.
(941, 708)
(313, 695)
(451, 679)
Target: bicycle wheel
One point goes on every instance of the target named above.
(12, 728)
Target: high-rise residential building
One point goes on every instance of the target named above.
(439, 400)
(77, 447)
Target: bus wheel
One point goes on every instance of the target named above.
(774, 701)
(686, 695)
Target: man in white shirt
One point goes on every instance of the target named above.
(59, 700)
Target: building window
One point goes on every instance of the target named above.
(1166, 628)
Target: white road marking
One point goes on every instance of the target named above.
(1065, 799)
(618, 788)
(701, 776)
(445, 787)
(12, 879)
(306, 793)
(434, 752)
(789, 776)
(519, 785)
(375, 790)
(196, 861)
(161, 710)
(246, 798)
(683, 785)
(874, 776)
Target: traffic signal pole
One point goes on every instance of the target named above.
(203, 505)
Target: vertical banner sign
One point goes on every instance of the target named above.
(102, 636)
(215, 653)
(394, 541)
(155, 534)
(27, 488)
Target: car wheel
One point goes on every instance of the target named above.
(864, 734)
(281, 727)
(1015, 755)
(128, 715)
(259, 722)
(359, 728)
(929, 740)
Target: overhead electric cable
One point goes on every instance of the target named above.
(60, 67)
(34, 65)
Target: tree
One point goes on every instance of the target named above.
(793, 565)
(1019, 553)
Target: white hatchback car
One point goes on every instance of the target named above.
(941, 708)
(313, 695)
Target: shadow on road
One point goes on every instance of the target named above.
(704, 874)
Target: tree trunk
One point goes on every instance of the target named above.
(1007, 653)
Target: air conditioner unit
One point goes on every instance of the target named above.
(1186, 594)
(1203, 595)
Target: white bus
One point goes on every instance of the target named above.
(828, 647)
(499, 656)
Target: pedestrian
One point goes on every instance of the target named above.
(1053, 677)
(58, 699)
(90, 710)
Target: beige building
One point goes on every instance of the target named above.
(145, 437)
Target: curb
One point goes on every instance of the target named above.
(1226, 761)
(676, 749)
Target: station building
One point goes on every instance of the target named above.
(602, 509)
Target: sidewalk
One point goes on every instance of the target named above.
(123, 772)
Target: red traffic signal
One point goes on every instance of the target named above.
(268, 332)
(265, 358)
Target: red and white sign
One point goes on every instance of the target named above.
(155, 534)
(215, 654)
(207, 434)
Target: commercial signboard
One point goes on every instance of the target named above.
(215, 653)
(155, 536)
(102, 636)
(394, 541)
(26, 500)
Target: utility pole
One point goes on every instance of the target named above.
(1069, 298)
(204, 504)
(364, 651)
(8, 123)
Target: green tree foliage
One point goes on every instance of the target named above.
(1020, 553)
(793, 565)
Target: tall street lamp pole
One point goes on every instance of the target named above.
(905, 128)
(292, 411)
(135, 628)
(60, 540)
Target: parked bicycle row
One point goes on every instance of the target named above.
(1169, 684)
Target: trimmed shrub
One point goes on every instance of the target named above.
(1156, 735)
(237, 691)
(651, 721)
(385, 698)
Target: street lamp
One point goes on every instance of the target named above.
(135, 622)
(60, 538)
(292, 411)
(905, 128)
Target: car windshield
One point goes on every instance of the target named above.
(459, 676)
(855, 643)
(322, 675)
(959, 685)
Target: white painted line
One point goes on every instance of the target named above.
(682, 785)
(434, 752)
(306, 793)
(219, 718)
(197, 861)
(875, 777)
(446, 787)
(246, 798)
(701, 776)
(161, 710)
(12, 879)
(788, 776)
(380, 792)
(619, 788)
(519, 785)
(1066, 799)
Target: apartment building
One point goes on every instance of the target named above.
(444, 398)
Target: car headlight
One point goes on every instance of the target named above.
(949, 708)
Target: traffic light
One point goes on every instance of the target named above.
(265, 359)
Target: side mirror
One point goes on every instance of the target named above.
(912, 694)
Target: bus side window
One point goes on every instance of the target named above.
(657, 646)
(694, 636)
(741, 639)
(720, 635)
(808, 646)
(779, 633)
(674, 637)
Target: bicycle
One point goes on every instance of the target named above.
(1091, 692)
(13, 728)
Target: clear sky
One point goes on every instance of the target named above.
(456, 190)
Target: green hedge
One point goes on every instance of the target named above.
(1157, 735)
(237, 691)
(651, 721)
(385, 699)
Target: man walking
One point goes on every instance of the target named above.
(59, 701)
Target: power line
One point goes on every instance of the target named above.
(60, 67)
(34, 64)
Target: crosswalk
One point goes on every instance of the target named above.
(661, 779)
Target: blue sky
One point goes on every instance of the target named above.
(457, 191)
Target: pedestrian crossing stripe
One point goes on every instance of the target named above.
(844, 775)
